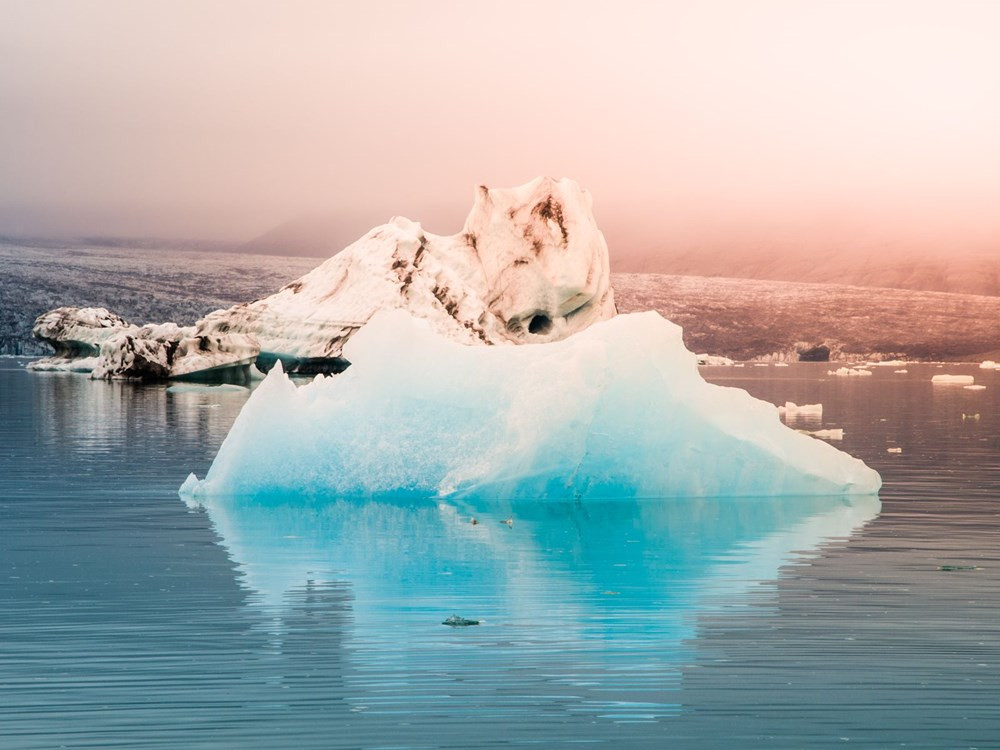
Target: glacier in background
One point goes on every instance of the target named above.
(616, 410)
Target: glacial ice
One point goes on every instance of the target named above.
(617, 410)
(529, 266)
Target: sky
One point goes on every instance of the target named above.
(749, 123)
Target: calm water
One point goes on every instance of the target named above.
(129, 619)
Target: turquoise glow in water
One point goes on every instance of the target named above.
(133, 620)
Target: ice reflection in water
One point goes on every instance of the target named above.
(600, 596)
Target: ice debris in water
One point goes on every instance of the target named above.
(791, 410)
(989, 364)
(459, 622)
(617, 410)
(847, 372)
(974, 387)
(836, 433)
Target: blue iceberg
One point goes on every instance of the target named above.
(617, 410)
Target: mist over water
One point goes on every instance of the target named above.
(815, 127)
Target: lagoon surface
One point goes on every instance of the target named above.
(132, 620)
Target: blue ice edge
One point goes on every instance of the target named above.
(616, 411)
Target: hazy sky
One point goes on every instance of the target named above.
(690, 122)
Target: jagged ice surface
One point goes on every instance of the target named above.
(616, 410)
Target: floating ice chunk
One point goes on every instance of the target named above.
(894, 450)
(781, 364)
(829, 434)
(76, 334)
(953, 379)
(989, 364)
(64, 364)
(974, 387)
(900, 372)
(761, 364)
(196, 388)
(617, 410)
(973, 417)
(714, 361)
(848, 372)
(791, 410)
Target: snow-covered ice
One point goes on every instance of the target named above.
(953, 379)
(616, 410)
(974, 387)
(989, 364)
(900, 372)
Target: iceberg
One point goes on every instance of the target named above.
(529, 266)
(953, 379)
(76, 334)
(617, 410)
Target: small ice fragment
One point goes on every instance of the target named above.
(974, 387)
(829, 434)
(989, 364)
(900, 372)
(761, 364)
(953, 379)
(847, 372)
(971, 416)
(894, 450)
(781, 364)
(199, 388)
(459, 622)
(714, 361)
(791, 410)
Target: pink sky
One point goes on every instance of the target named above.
(691, 123)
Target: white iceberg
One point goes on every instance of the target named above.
(529, 266)
(989, 364)
(953, 379)
(618, 410)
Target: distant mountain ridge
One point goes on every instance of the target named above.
(920, 271)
